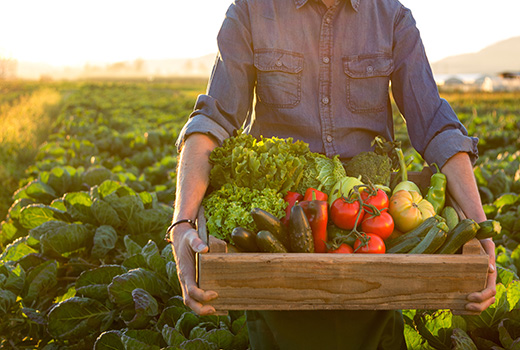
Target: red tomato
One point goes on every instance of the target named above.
(374, 246)
(344, 248)
(382, 224)
(378, 199)
(343, 213)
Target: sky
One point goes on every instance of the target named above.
(76, 32)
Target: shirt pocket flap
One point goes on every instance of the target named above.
(369, 66)
(278, 60)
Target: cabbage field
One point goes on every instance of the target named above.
(84, 264)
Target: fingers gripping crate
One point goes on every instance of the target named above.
(301, 281)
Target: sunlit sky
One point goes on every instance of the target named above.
(75, 32)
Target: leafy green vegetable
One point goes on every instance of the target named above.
(321, 173)
(230, 206)
(268, 163)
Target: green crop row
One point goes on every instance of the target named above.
(83, 262)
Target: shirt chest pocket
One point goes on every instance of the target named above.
(367, 79)
(278, 77)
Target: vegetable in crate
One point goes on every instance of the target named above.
(321, 172)
(373, 168)
(272, 163)
(318, 216)
(405, 184)
(436, 193)
(409, 209)
(300, 231)
(230, 206)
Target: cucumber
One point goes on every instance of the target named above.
(419, 231)
(464, 231)
(268, 243)
(301, 239)
(405, 246)
(244, 239)
(267, 221)
(451, 216)
(488, 229)
(433, 240)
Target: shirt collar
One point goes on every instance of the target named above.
(354, 3)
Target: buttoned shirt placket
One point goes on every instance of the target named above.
(325, 83)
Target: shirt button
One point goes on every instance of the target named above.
(326, 60)
(370, 69)
(325, 100)
(327, 20)
(278, 63)
(329, 138)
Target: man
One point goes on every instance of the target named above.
(319, 71)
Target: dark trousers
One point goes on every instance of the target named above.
(326, 330)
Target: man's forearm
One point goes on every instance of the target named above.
(193, 175)
(462, 186)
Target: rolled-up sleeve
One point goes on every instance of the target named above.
(229, 96)
(433, 127)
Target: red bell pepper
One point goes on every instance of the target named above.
(314, 194)
(291, 198)
(317, 214)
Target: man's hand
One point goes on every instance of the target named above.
(480, 301)
(186, 243)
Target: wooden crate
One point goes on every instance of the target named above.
(300, 281)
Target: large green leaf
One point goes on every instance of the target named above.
(58, 178)
(17, 250)
(145, 303)
(104, 213)
(121, 287)
(39, 281)
(105, 239)
(79, 205)
(172, 336)
(109, 340)
(149, 221)
(153, 258)
(34, 215)
(144, 339)
(40, 191)
(126, 206)
(462, 341)
(49, 226)
(94, 283)
(220, 337)
(7, 300)
(14, 276)
(77, 317)
(67, 239)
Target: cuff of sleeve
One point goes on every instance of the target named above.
(201, 124)
(448, 143)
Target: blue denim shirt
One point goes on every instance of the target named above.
(295, 68)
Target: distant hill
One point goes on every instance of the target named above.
(496, 58)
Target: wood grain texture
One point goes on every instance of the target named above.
(329, 281)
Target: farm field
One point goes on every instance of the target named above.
(88, 183)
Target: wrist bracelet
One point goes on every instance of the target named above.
(188, 221)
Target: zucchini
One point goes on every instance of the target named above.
(405, 246)
(488, 229)
(433, 240)
(451, 216)
(419, 231)
(301, 239)
(267, 221)
(268, 243)
(464, 231)
(244, 239)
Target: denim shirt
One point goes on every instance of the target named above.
(295, 68)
